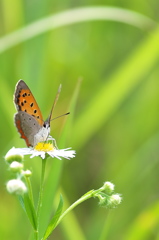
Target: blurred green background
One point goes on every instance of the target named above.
(113, 126)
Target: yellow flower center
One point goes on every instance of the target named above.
(46, 147)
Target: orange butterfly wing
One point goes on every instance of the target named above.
(25, 101)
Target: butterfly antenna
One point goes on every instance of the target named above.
(60, 116)
(55, 101)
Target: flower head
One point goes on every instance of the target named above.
(45, 149)
(108, 187)
(115, 200)
(12, 155)
(106, 196)
(27, 173)
(16, 166)
(16, 186)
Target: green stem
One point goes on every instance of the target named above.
(30, 192)
(40, 193)
(85, 197)
(36, 235)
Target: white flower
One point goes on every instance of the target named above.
(16, 186)
(42, 149)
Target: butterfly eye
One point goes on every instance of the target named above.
(46, 125)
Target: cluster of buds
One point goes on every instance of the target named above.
(15, 162)
(108, 198)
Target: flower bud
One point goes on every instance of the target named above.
(16, 186)
(12, 156)
(27, 173)
(16, 166)
(114, 200)
(108, 201)
(108, 187)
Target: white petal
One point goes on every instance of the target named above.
(57, 153)
(52, 154)
(42, 155)
(64, 153)
(23, 151)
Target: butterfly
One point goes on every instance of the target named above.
(28, 119)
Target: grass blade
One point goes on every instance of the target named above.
(29, 209)
(75, 16)
(54, 220)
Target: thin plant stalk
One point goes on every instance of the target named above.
(85, 197)
(41, 193)
(30, 192)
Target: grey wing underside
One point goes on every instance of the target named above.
(27, 126)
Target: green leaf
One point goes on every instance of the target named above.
(29, 209)
(21, 200)
(54, 220)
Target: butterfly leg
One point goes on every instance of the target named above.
(53, 140)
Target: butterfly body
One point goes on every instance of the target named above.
(28, 119)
